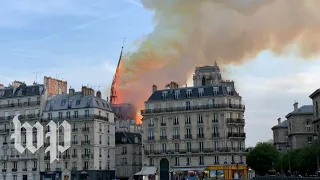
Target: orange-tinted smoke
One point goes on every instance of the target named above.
(189, 33)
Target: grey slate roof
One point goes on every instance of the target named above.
(130, 137)
(64, 102)
(283, 124)
(208, 92)
(306, 108)
(22, 90)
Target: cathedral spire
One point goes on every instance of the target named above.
(114, 88)
(215, 63)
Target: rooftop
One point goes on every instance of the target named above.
(77, 101)
(283, 124)
(127, 138)
(21, 90)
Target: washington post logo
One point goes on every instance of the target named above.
(53, 147)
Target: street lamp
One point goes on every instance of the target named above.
(288, 150)
(315, 136)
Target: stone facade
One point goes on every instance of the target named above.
(300, 128)
(194, 127)
(128, 154)
(315, 96)
(280, 132)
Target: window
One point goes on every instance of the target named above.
(176, 160)
(229, 89)
(164, 147)
(188, 121)
(78, 102)
(151, 123)
(176, 94)
(188, 105)
(63, 102)
(188, 146)
(188, 131)
(176, 120)
(308, 125)
(176, 147)
(164, 95)
(200, 131)
(201, 160)
(15, 165)
(124, 150)
(216, 159)
(163, 106)
(200, 146)
(215, 117)
(68, 115)
(200, 120)
(76, 115)
(176, 132)
(317, 109)
(100, 139)
(188, 160)
(150, 161)
(34, 164)
(60, 115)
(309, 139)
(215, 91)
(86, 112)
(50, 116)
(100, 127)
(163, 132)
(163, 121)
(200, 91)
(189, 92)
(216, 145)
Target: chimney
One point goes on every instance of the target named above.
(17, 83)
(84, 91)
(71, 91)
(154, 88)
(98, 94)
(1, 86)
(279, 121)
(295, 106)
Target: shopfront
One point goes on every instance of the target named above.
(233, 171)
(188, 173)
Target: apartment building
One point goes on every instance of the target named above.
(92, 151)
(25, 100)
(199, 128)
(280, 133)
(300, 129)
(128, 155)
(315, 96)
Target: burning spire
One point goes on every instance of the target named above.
(114, 86)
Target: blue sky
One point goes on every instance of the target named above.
(80, 41)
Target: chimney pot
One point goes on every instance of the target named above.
(279, 121)
(98, 94)
(295, 106)
(154, 88)
(71, 91)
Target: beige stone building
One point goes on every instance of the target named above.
(315, 96)
(194, 128)
(300, 128)
(26, 100)
(92, 151)
(128, 154)
(280, 132)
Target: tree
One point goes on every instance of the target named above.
(263, 158)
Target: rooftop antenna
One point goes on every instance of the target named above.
(57, 76)
(36, 73)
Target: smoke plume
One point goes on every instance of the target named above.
(189, 33)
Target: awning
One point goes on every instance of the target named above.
(201, 169)
(146, 171)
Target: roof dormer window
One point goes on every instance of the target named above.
(189, 92)
(229, 89)
(215, 91)
(164, 95)
(200, 91)
(176, 94)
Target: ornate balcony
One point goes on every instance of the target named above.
(194, 108)
(236, 135)
(235, 121)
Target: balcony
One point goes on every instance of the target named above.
(85, 142)
(85, 156)
(74, 129)
(200, 135)
(150, 125)
(214, 135)
(34, 169)
(74, 142)
(163, 124)
(193, 108)
(163, 137)
(46, 158)
(14, 170)
(4, 170)
(24, 104)
(236, 135)
(24, 169)
(175, 137)
(85, 129)
(196, 151)
(4, 131)
(188, 136)
(74, 156)
(235, 121)
(47, 169)
(66, 156)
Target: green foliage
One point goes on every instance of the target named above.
(263, 158)
(264, 155)
(303, 160)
